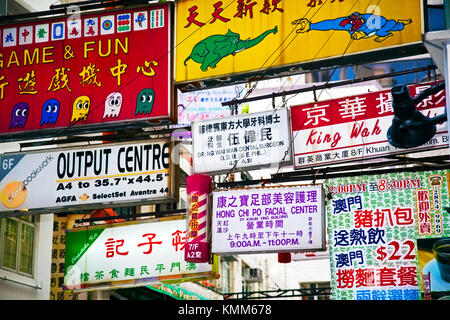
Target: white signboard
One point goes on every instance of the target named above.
(145, 252)
(268, 220)
(244, 141)
(103, 174)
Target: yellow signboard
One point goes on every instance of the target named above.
(215, 39)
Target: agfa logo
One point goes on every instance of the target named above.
(13, 194)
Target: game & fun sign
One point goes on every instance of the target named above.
(130, 254)
(83, 70)
(354, 128)
(224, 40)
(90, 176)
(264, 219)
(246, 141)
(381, 234)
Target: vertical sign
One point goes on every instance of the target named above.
(375, 223)
(447, 78)
(198, 188)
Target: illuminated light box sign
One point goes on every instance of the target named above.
(355, 128)
(130, 254)
(246, 141)
(85, 70)
(245, 38)
(86, 176)
(268, 220)
(375, 224)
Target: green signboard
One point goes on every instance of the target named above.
(383, 234)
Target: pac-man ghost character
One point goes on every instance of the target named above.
(80, 108)
(113, 105)
(144, 101)
(19, 115)
(50, 111)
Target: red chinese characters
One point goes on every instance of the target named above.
(242, 9)
(123, 247)
(382, 217)
(379, 277)
(112, 247)
(150, 243)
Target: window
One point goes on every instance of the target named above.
(17, 244)
(226, 277)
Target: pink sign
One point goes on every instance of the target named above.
(197, 246)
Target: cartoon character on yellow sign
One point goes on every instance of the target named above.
(359, 26)
(80, 109)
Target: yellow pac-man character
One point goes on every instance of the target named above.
(80, 109)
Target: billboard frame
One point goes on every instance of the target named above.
(170, 198)
(323, 221)
(140, 123)
(266, 73)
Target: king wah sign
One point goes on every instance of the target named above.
(230, 39)
(131, 255)
(85, 70)
(355, 128)
(86, 177)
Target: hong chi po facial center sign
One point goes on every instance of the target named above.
(85, 176)
(83, 70)
(245, 141)
(268, 220)
(130, 255)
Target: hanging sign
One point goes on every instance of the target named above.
(268, 220)
(447, 77)
(130, 254)
(85, 176)
(198, 188)
(230, 40)
(245, 141)
(355, 128)
(85, 70)
(375, 225)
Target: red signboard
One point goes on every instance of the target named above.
(354, 128)
(85, 70)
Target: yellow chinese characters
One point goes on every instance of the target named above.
(29, 83)
(2, 85)
(147, 70)
(89, 75)
(60, 80)
(118, 70)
